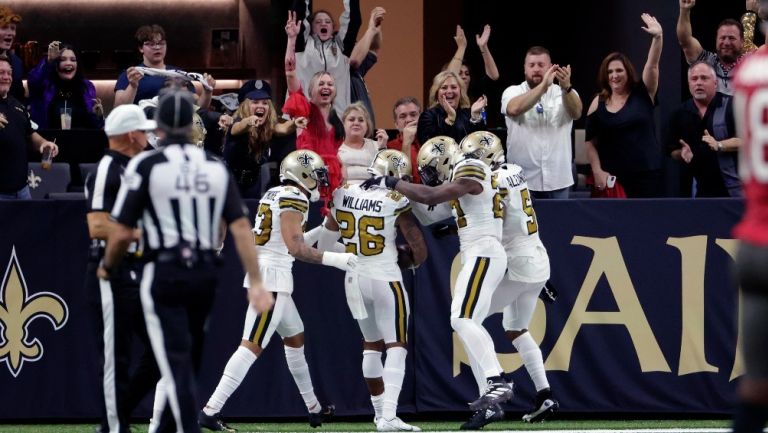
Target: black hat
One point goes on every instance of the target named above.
(254, 90)
(174, 112)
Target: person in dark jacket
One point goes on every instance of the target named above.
(449, 111)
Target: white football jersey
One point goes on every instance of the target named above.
(478, 217)
(521, 229)
(527, 258)
(366, 221)
(266, 228)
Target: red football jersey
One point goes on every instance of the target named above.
(751, 112)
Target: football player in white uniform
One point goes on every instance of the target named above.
(478, 214)
(367, 221)
(279, 239)
(527, 272)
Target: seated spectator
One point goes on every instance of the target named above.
(16, 135)
(8, 22)
(406, 112)
(357, 151)
(250, 140)
(702, 134)
(132, 86)
(449, 112)
(324, 131)
(58, 82)
(620, 136)
(333, 52)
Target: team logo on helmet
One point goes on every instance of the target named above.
(486, 141)
(397, 161)
(438, 148)
(305, 159)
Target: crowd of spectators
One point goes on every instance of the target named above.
(329, 110)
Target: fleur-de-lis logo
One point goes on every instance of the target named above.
(397, 161)
(486, 141)
(305, 159)
(33, 180)
(17, 310)
(438, 148)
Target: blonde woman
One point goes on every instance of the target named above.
(358, 150)
(250, 141)
(449, 112)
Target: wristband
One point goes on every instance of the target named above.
(337, 260)
(720, 146)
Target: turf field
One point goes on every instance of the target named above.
(647, 426)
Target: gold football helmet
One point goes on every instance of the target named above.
(483, 145)
(435, 160)
(391, 162)
(307, 169)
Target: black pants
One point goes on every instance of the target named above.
(176, 302)
(119, 319)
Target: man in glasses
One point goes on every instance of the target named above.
(133, 86)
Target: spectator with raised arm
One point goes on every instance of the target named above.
(333, 51)
(324, 132)
(729, 44)
(406, 112)
(620, 137)
(449, 112)
(133, 86)
(539, 116)
(57, 83)
(368, 48)
(457, 64)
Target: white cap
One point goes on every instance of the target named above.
(127, 118)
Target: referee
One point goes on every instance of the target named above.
(116, 300)
(181, 195)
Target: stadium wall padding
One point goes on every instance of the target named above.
(645, 321)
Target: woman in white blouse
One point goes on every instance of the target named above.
(357, 151)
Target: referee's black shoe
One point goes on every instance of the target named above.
(213, 422)
(326, 413)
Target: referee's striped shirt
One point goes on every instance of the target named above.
(180, 193)
(101, 186)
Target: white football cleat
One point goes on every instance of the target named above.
(394, 424)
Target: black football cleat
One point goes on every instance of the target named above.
(326, 413)
(497, 392)
(213, 422)
(482, 418)
(545, 407)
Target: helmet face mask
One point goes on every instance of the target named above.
(436, 160)
(484, 146)
(391, 162)
(306, 169)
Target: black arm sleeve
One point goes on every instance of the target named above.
(355, 21)
(234, 207)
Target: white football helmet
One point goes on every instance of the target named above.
(307, 169)
(435, 160)
(391, 162)
(483, 145)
